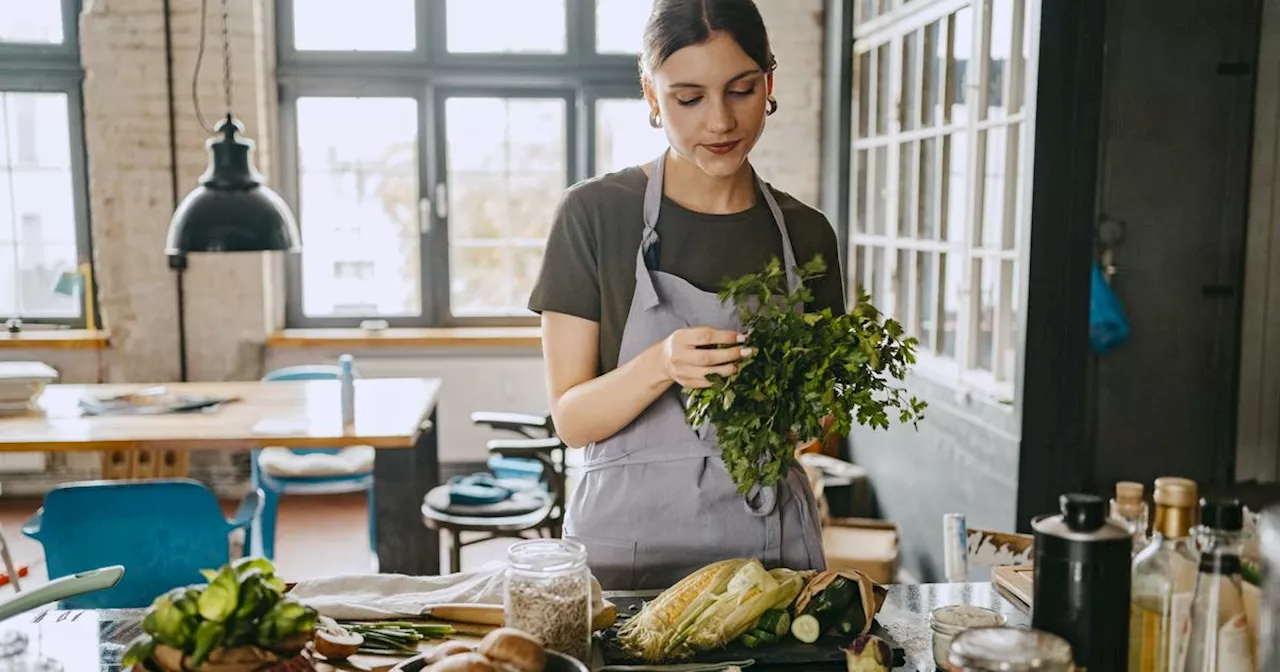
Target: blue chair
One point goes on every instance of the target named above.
(281, 471)
(162, 531)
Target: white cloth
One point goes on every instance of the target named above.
(284, 463)
(391, 596)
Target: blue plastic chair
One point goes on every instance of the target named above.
(162, 531)
(261, 541)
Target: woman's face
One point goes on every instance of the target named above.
(712, 99)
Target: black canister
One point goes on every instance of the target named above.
(1082, 581)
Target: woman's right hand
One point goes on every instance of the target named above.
(690, 355)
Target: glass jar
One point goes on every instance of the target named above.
(1006, 649)
(548, 594)
(949, 621)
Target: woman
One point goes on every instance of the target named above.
(627, 294)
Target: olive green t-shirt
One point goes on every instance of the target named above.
(589, 267)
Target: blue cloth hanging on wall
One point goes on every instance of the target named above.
(1108, 328)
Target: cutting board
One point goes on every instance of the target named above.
(463, 632)
(824, 654)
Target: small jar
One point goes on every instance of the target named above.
(548, 594)
(947, 622)
(1003, 649)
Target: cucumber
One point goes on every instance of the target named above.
(751, 641)
(774, 621)
(806, 628)
(765, 637)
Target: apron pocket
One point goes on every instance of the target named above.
(612, 561)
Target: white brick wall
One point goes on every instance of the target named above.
(788, 153)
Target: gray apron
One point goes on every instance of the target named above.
(655, 501)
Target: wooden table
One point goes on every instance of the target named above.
(397, 414)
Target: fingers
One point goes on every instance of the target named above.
(700, 336)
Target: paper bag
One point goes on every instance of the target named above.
(871, 593)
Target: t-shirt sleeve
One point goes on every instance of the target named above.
(569, 280)
(828, 290)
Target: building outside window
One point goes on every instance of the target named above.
(44, 228)
(428, 145)
(940, 178)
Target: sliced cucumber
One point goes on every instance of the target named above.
(806, 628)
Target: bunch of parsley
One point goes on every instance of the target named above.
(806, 367)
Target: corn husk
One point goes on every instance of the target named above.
(708, 609)
(872, 593)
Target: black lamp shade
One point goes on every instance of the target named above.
(232, 210)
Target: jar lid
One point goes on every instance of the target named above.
(956, 618)
(1009, 650)
(1129, 491)
(1083, 518)
(547, 555)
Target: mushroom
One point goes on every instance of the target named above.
(450, 648)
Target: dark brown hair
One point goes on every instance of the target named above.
(676, 24)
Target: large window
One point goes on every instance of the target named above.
(940, 168)
(44, 237)
(426, 146)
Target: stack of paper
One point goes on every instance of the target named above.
(21, 383)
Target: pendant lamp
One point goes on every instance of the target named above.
(232, 209)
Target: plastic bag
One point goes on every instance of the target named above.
(1108, 328)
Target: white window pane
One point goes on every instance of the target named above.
(998, 57)
(38, 22)
(987, 315)
(624, 136)
(951, 276)
(505, 26)
(993, 197)
(620, 24)
(506, 166)
(37, 205)
(331, 25)
(358, 196)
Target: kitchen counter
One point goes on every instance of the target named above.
(905, 617)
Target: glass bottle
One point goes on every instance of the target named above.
(1129, 507)
(1269, 609)
(1164, 577)
(547, 594)
(1219, 633)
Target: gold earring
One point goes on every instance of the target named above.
(654, 120)
(773, 105)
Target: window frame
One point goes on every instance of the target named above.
(430, 74)
(890, 28)
(56, 68)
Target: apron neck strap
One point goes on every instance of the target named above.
(653, 203)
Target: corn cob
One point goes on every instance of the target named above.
(648, 634)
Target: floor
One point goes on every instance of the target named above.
(315, 536)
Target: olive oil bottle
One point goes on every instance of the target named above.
(1164, 578)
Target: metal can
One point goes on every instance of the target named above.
(1006, 649)
(955, 551)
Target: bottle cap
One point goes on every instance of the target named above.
(1129, 492)
(1176, 492)
(1222, 514)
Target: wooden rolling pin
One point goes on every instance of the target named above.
(492, 614)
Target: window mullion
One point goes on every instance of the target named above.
(976, 101)
(889, 273)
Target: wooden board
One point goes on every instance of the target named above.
(1019, 580)
(464, 632)
(824, 654)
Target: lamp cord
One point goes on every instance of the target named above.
(226, 67)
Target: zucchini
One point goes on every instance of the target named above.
(774, 621)
(853, 620)
(751, 641)
(829, 606)
(806, 628)
(766, 637)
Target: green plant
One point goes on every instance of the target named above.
(805, 367)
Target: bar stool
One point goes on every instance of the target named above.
(537, 512)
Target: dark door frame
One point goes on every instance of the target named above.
(1056, 450)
